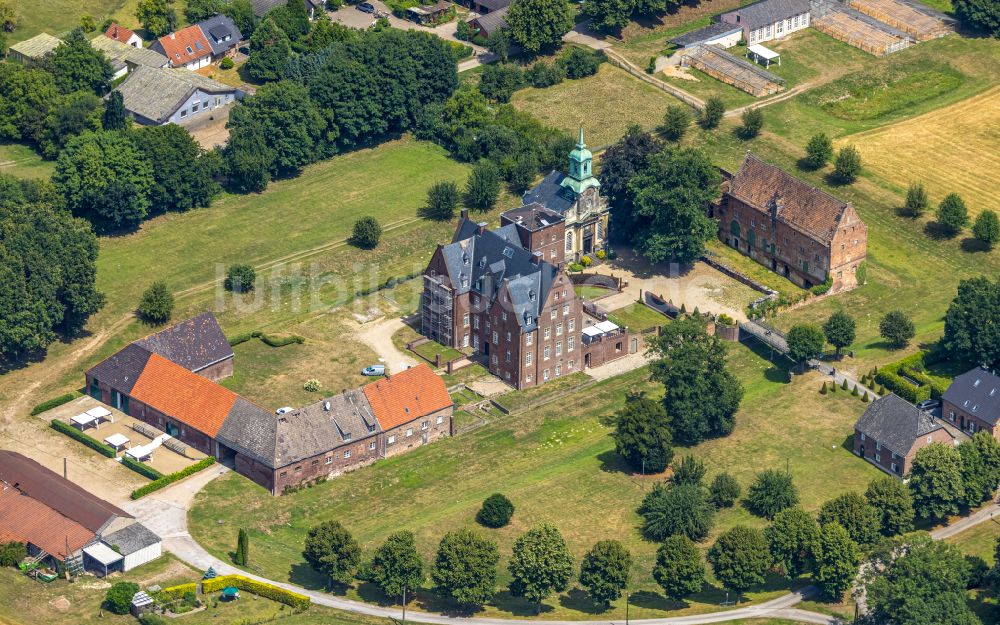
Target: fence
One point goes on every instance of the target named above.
(917, 24)
(622, 63)
(733, 70)
(858, 33)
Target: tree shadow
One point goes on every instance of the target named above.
(611, 462)
(579, 600)
(804, 165)
(902, 211)
(304, 575)
(655, 601)
(517, 606)
(974, 245)
(781, 366)
(938, 231)
(429, 601)
(835, 180)
(371, 593)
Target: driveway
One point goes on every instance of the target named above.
(378, 336)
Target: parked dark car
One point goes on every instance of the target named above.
(366, 7)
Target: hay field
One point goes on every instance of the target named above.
(950, 149)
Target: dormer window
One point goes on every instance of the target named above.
(976, 383)
(508, 252)
(531, 295)
(189, 50)
(482, 261)
(465, 259)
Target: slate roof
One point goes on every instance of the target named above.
(494, 5)
(550, 193)
(121, 369)
(216, 28)
(768, 12)
(978, 392)
(895, 423)
(533, 216)
(156, 94)
(36, 47)
(193, 344)
(175, 45)
(779, 194)
(251, 431)
(407, 395)
(493, 21)
(183, 395)
(118, 53)
(701, 35)
(483, 262)
(131, 538)
(57, 493)
(25, 519)
(118, 33)
(261, 7)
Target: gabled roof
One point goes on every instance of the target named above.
(216, 29)
(37, 47)
(492, 22)
(708, 33)
(119, 33)
(895, 423)
(768, 12)
(261, 7)
(533, 217)
(191, 399)
(494, 5)
(193, 344)
(57, 493)
(118, 52)
(777, 193)
(121, 370)
(156, 94)
(407, 395)
(184, 45)
(25, 519)
(977, 392)
(551, 193)
(131, 538)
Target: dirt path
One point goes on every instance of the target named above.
(378, 336)
(794, 91)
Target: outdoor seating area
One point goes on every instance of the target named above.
(732, 70)
(92, 417)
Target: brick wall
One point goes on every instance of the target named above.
(218, 371)
(884, 458)
(339, 460)
(420, 431)
(964, 419)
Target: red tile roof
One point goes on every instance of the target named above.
(406, 396)
(182, 395)
(118, 33)
(176, 45)
(24, 519)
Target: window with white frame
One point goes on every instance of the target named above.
(329, 460)
(409, 432)
(371, 445)
(559, 328)
(496, 337)
(553, 313)
(347, 453)
(572, 324)
(425, 425)
(545, 374)
(558, 348)
(565, 309)
(558, 370)
(529, 338)
(465, 320)
(569, 367)
(569, 344)
(527, 358)
(391, 440)
(548, 333)
(507, 356)
(546, 353)
(440, 419)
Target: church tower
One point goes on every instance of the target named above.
(581, 164)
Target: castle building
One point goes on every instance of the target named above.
(575, 196)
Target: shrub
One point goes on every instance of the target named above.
(12, 553)
(176, 593)
(291, 599)
(771, 492)
(190, 599)
(55, 402)
(226, 63)
(896, 328)
(312, 385)
(987, 228)
(952, 214)
(151, 618)
(442, 199)
(543, 74)
(142, 469)
(119, 597)
(577, 267)
(725, 320)
(676, 121)
(580, 62)
(496, 511)
(240, 278)
(586, 261)
(753, 121)
(156, 303)
(822, 389)
(499, 81)
(715, 110)
(166, 480)
(98, 446)
(916, 199)
(367, 233)
(848, 164)
(601, 254)
(724, 491)
(819, 151)
(279, 341)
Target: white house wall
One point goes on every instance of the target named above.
(726, 41)
(779, 29)
(204, 101)
(144, 555)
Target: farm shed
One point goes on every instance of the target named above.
(917, 23)
(137, 544)
(33, 49)
(733, 70)
(859, 30)
(719, 33)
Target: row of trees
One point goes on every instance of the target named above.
(613, 15)
(945, 479)
(499, 81)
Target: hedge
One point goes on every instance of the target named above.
(913, 367)
(142, 469)
(89, 441)
(261, 589)
(55, 402)
(176, 593)
(167, 480)
(273, 341)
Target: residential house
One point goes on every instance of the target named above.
(489, 23)
(891, 432)
(164, 96)
(125, 58)
(62, 523)
(769, 19)
(972, 402)
(34, 49)
(222, 34)
(413, 408)
(123, 35)
(187, 48)
(791, 227)
(577, 197)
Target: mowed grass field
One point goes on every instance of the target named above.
(20, 160)
(952, 149)
(605, 104)
(61, 16)
(557, 464)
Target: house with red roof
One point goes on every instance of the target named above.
(124, 35)
(187, 48)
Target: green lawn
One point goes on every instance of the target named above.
(20, 160)
(591, 292)
(637, 317)
(557, 452)
(979, 540)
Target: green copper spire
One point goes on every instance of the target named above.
(581, 162)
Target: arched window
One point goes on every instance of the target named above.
(734, 227)
(569, 241)
(752, 237)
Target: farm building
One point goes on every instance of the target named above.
(858, 30)
(919, 22)
(769, 19)
(718, 34)
(791, 227)
(892, 430)
(157, 96)
(167, 381)
(62, 523)
(732, 70)
(125, 58)
(484, 7)
(34, 49)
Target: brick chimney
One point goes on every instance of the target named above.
(536, 258)
(464, 213)
(481, 227)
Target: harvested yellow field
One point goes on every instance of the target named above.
(953, 149)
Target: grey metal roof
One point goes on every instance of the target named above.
(261, 7)
(494, 5)
(895, 423)
(193, 344)
(118, 52)
(131, 538)
(122, 369)
(157, 93)
(216, 28)
(551, 194)
(977, 392)
(768, 12)
(493, 21)
(701, 35)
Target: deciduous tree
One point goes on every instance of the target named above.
(483, 186)
(839, 330)
(540, 565)
(465, 569)
(115, 117)
(156, 303)
(158, 17)
(819, 151)
(752, 123)
(620, 163)
(892, 499)
(270, 50)
(711, 116)
(936, 481)
(847, 167)
(952, 214)
(609, 15)
(791, 540)
(688, 470)
(669, 510)
(442, 201)
(539, 25)
(837, 560)
(183, 173)
(605, 571)
(496, 511)
(916, 199)
(987, 228)
(724, 491)
(971, 331)
(853, 512)
(642, 435)
(805, 342)
(396, 566)
(980, 467)
(679, 570)
(771, 492)
(367, 233)
(118, 599)
(676, 122)
(78, 66)
(740, 559)
(982, 15)
(896, 328)
(331, 551)
(240, 278)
